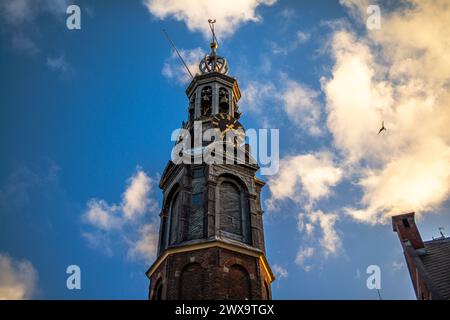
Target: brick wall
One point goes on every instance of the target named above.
(406, 228)
(212, 273)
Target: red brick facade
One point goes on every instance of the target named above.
(211, 273)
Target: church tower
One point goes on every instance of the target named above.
(211, 240)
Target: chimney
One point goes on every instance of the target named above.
(405, 226)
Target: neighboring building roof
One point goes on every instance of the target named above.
(436, 262)
(428, 261)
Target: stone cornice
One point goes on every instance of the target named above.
(214, 244)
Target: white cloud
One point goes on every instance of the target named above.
(301, 105)
(302, 255)
(305, 179)
(24, 181)
(99, 240)
(319, 227)
(297, 101)
(22, 43)
(58, 63)
(17, 279)
(309, 176)
(136, 199)
(118, 221)
(279, 271)
(135, 202)
(299, 38)
(355, 105)
(230, 14)
(18, 17)
(303, 36)
(256, 94)
(417, 180)
(147, 244)
(18, 12)
(288, 13)
(397, 265)
(308, 268)
(173, 69)
(330, 240)
(398, 74)
(103, 216)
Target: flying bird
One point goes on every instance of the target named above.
(382, 128)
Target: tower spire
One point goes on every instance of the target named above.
(211, 240)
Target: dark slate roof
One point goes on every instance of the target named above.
(436, 262)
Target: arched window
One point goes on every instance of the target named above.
(191, 282)
(238, 283)
(157, 291)
(206, 101)
(233, 209)
(224, 100)
(174, 218)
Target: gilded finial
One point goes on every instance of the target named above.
(213, 44)
(213, 62)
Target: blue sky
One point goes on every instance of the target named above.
(86, 117)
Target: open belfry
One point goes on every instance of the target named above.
(211, 238)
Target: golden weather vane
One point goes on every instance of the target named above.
(214, 38)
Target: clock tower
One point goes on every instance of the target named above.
(211, 240)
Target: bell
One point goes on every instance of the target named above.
(223, 100)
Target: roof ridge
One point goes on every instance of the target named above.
(446, 239)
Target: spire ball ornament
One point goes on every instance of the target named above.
(213, 63)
